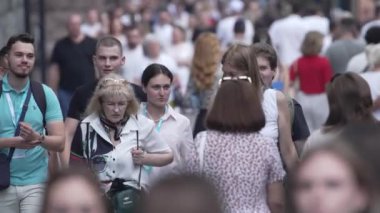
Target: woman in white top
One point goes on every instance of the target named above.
(173, 127)
(116, 142)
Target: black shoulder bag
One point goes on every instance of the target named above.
(5, 160)
(124, 198)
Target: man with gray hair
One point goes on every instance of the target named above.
(153, 54)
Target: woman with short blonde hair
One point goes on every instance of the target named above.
(312, 72)
(116, 142)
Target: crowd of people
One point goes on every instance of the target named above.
(192, 107)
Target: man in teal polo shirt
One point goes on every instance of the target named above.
(29, 164)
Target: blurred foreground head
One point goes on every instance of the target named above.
(181, 194)
(74, 190)
(333, 178)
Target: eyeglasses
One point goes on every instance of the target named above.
(235, 78)
(99, 163)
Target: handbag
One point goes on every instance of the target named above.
(124, 198)
(5, 159)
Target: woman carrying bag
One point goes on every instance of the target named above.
(117, 142)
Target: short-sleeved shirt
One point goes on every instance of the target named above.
(341, 51)
(313, 72)
(118, 159)
(241, 165)
(28, 166)
(75, 62)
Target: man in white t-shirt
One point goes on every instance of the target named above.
(287, 35)
(133, 52)
(153, 54)
(225, 28)
(163, 30)
(92, 27)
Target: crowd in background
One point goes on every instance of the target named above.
(196, 106)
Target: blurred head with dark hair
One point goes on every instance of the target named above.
(237, 104)
(311, 9)
(267, 61)
(181, 194)
(350, 100)
(134, 38)
(373, 35)
(20, 55)
(3, 61)
(239, 27)
(348, 26)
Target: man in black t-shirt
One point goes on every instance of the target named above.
(108, 58)
(71, 62)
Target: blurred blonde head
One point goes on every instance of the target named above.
(112, 85)
(373, 55)
(206, 60)
(312, 43)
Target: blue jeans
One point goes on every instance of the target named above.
(64, 97)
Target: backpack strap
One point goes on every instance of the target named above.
(38, 95)
(40, 98)
(291, 108)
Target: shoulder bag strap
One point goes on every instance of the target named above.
(202, 145)
(140, 167)
(22, 116)
(1, 87)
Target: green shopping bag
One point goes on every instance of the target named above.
(123, 198)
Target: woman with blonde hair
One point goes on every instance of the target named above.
(204, 77)
(117, 142)
(313, 73)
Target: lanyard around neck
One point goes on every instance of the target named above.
(11, 108)
(160, 121)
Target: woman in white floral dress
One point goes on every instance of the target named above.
(244, 165)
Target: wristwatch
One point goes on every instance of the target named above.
(42, 138)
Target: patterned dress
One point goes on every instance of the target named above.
(240, 165)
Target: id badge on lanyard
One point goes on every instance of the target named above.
(18, 153)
